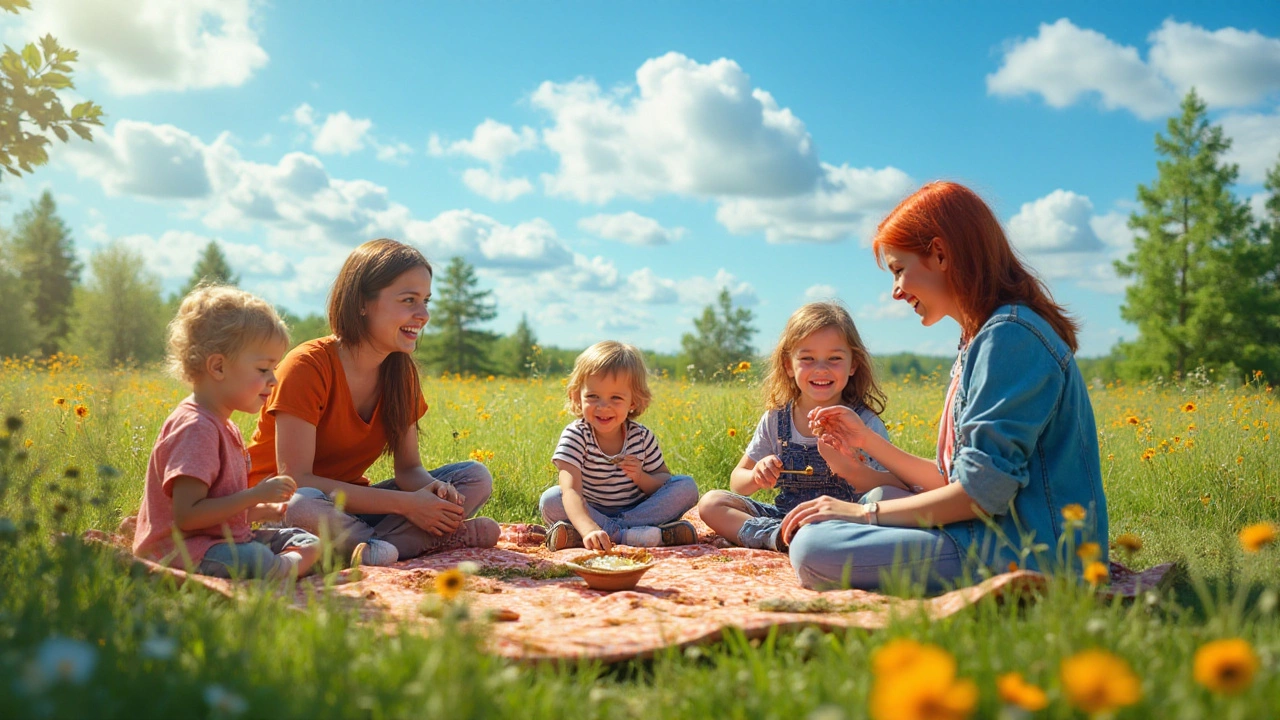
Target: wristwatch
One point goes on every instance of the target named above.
(873, 513)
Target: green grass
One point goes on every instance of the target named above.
(163, 651)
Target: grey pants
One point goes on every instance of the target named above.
(313, 510)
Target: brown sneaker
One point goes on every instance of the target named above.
(679, 532)
(563, 535)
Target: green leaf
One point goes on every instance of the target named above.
(31, 54)
(56, 81)
(14, 6)
(82, 131)
(78, 111)
(60, 132)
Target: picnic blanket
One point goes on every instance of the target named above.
(692, 595)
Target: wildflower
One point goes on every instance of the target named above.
(224, 701)
(918, 681)
(1257, 536)
(1132, 420)
(744, 366)
(1073, 513)
(1239, 459)
(1096, 681)
(62, 659)
(1188, 407)
(1013, 566)
(60, 401)
(1096, 573)
(1016, 691)
(1148, 454)
(733, 432)
(449, 583)
(1226, 666)
(82, 412)
(1088, 551)
(1129, 542)
(28, 443)
(1204, 499)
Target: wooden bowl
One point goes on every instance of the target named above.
(611, 580)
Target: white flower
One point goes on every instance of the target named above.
(159, 647)
(62, 659)
(224, 701)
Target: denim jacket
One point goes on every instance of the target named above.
(1026, 444)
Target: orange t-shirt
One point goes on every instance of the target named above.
(313, 386)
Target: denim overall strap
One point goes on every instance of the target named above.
(795, 489)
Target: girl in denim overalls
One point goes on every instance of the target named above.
(819, 361)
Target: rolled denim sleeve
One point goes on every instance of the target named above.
(1012, 386)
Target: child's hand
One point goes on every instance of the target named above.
(630, 464)
(268, 512)
(597, 540)
(766, 472)
(275, 489)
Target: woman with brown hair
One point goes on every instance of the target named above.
(345, 400)
(1017, 477)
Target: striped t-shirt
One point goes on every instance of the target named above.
(605, 485)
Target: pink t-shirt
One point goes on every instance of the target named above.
(947, 424)
(195, 443)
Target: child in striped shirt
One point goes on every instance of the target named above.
(615, 488)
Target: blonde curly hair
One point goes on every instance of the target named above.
(610, 358)
(218, 320)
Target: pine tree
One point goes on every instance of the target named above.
(722, 341)
(213, 268)
(454, 344)
(1191, 232)
(120, 314)
(44, 254)
(523, 344)
(18, 333)
(1262, 261)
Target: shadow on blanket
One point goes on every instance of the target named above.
(692, 595)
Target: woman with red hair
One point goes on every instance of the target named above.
(1017, 458)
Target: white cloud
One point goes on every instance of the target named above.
(885, 308)
(1258, 205)
(143, 46)
(395, 152)
(645, 286)
(493, 186)
(1227, 67)
(1255, 143)
(174, 254)
(341, 134)
(492, 142)
(1063, 63)
(848, 202)
(1056, 223)
(689, 129)
(152, 161)
(631, 228)
(818, 293)
(304, 115)
(701, 291)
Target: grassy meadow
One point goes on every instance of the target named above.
(1186, 464)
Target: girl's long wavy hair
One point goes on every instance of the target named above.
(862, 389)
(367, 270)
(984, 271)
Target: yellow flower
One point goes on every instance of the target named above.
(1205, 498)
(1189, 407)
(1013, 566)
(28, 443)
(1016, 691)
(1257, 536)
(1226, 666)
(1096, 573)
(919, 681)
(60, 401)
(1096, 681)
(1129, 542)
(744, 366)
(449, 583)
(733, 432)
(1132, 420)
(1148, 454)
(1088, 551)
(82, 411)
(1073, 513)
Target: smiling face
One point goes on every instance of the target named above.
(395, 318)
(249, 376)
(921, 282)
(821, 365)
(606, 401)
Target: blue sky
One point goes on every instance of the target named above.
(608, 168)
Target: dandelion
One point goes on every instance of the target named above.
(1257, 536)
(82, 412)
(1096, 573)
(1132, 420)
(1188, 407)
(1088, 551)
(1129, 542)
(449, 583)
(733, 432)
(1016, 691)
(1226, 666)
(224, 701)
(1073, 513)
(1096, 681)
